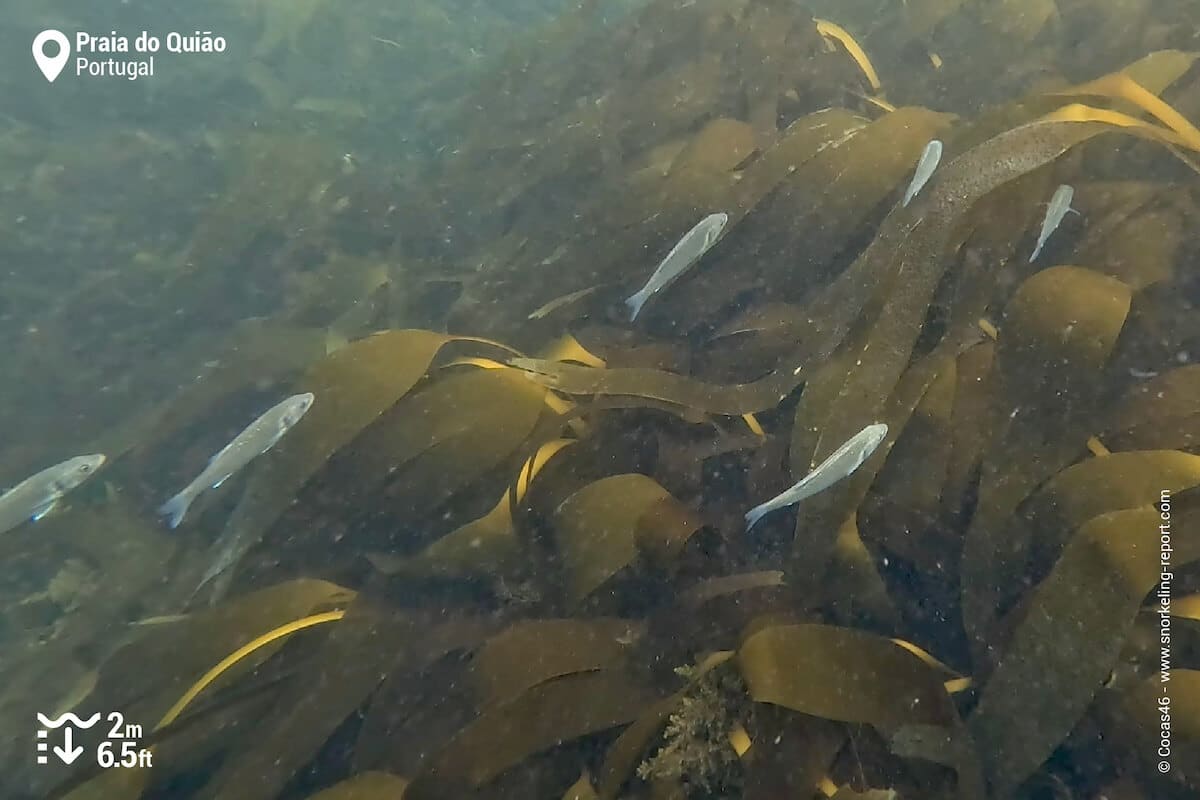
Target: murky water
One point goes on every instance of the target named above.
(884, 486)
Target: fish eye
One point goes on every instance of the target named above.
(85, 468)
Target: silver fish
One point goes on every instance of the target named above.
(218, 573)
(258, 437)
(1059, 205)
(841, 464)
(925, 167)
(687, 251)
(226, 551)
(34, 497)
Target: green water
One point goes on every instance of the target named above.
(505, 552)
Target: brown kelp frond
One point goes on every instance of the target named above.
(475, 568)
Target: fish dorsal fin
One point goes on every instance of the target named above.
(213, 458)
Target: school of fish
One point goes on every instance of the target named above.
(36, 496)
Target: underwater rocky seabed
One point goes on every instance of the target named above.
(503, 555)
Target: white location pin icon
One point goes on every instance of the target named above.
(51, 65)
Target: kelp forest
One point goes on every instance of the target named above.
(505, 554)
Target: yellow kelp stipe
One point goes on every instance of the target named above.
(878, 102)
(486, 545)
(535, 463)
(835, 31)
(752, 424)
(955, 684)
(238, 655)
(1079, 112)
(1097, 447)
(988, 328)
(1122, 87)
(553, 401)
(563, 407)
(881, 103)
(1187, 607)
(568, 348)
(491, 342)
(739, 740)
(476, 361)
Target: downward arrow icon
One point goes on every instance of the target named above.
(66, 752)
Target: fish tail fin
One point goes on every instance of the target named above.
(754, 515)
(634, 303)
(175, 508)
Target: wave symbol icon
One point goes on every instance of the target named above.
(68, 717)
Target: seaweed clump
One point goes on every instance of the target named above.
(696, 751)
